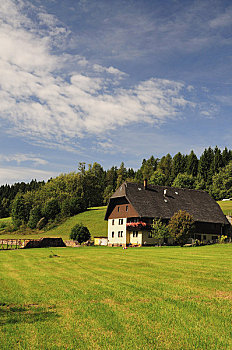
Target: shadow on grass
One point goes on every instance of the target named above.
(30, 313)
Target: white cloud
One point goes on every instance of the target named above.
(11, 175)
(43, 98)
(222, 20)
(21, 158)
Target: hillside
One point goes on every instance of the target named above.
(226, 207)
(93, 218)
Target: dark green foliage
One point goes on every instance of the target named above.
(20, 211)
(72, 206)
(184, 181)
(51, 209)
(160, 231)
(222, 183)
(217, 162)
(91, 184)
(8, 193)
(206, 166)
(35, 216)
(226, 156)
(147, 169)
(165, 166)
(80, 233)
(192, 164)
(178, 165)
(121, 174)
(181, 226)
(108, 193)
(111, 178)
(158, 178)
(41, 223)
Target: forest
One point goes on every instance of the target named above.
(37, 204)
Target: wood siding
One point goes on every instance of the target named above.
(122, 213)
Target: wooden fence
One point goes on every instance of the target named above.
(12, 243)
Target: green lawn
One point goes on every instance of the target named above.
(93, 218)
(110, 298)
(226, 207)
(4, 222)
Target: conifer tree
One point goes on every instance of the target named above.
(192, 164)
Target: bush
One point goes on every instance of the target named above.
(180, 226)
(160, 231)
(80, 233)
(222, 239)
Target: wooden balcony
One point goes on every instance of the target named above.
(135, 226)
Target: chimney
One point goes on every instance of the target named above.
(145, 184)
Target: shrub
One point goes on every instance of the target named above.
(80, 233)
(180, 226)
(222, 239)
(160, 231)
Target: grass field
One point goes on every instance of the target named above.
(226, 207)
(110, 298)
(4, 222)
(93, 218)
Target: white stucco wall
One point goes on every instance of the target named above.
(116, 228)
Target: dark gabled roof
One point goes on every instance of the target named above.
(153, 203)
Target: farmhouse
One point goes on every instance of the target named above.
(133, 207)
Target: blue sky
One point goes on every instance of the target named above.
(111, 81)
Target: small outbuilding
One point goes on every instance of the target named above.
(100, 240)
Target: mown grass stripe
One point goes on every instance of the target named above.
(106, 298)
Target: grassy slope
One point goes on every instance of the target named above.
(93, 218)
(5, 220)
(110, 298)
(226, 207)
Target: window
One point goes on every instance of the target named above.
(113, 234)
(113, 222)
(135, 233)
(204, 237)
(118, 208)
(126, 207)
(120, 221)
(120, 233)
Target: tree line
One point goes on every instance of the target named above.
(39, 204)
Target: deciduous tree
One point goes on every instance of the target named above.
(181, 226)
